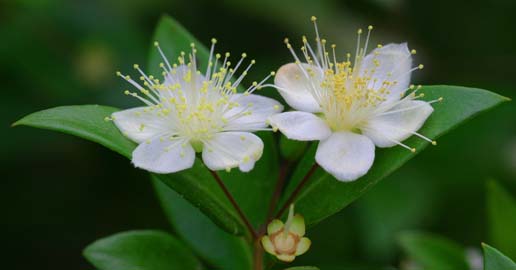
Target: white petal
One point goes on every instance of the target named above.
(395, 62)
(140, 124)
(260, 109)
(398, 123)
(295, 87)
(232, 149)
(162, 155)
(346, 155)
(301, 126)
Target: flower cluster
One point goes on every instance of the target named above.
(350, 106)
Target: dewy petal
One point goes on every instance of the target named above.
(163, 155)
(303, 246)
(302, 126)
(295, 87)
(268, 245)
(397, 124)
(395, 62)
(275, 226)
(346, 155)
(232, 149)
(140, 124)
(251, 113)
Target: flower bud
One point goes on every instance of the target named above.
(285, 240)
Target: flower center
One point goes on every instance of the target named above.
(285, 243)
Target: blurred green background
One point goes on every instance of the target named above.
(59, 193)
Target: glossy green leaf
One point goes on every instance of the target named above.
(433, 252)
(501, 210)
(220, 249)
(495, 260)
(87, 121)
(140, 250)
(324, 196)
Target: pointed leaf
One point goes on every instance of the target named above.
(324, 196)
(140, 250)
(501, 210)
(495, 260)
(217, 247)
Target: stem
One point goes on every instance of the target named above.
(296, 191)
(235, 204)
(276, 195)
(257, 255)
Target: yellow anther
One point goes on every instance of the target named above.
(192, 45)
(441, 99)
(276, 107)
(118, 73)
(413, 51)
(126, 92)
(156, 43)
(214, 41)
(227, 54)
(253, 62)
(421, 66)
(273, 73)
(413, 150)
(333, 46)
(136, 66)
(285, 40)
(359, 31)
(313, 18)
(370, 27)
(434, 143)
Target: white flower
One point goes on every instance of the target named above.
(189, 112)
(350, 107)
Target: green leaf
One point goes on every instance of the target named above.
(501, 210)
(433, 252)
(302, 268)
(140, 250)
(87, 121)
(324, 196)
(217, 247)
(495, 260)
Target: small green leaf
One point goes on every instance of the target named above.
(302, 268)
(495, 260)
(86, 121)
(501, 210)
(217, 247)
(433, 252)
(140, 250)
(324, 195)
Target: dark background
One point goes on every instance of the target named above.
(59, 193)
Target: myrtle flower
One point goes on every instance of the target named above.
(286, 241)
(350, 106)
(189, 112)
